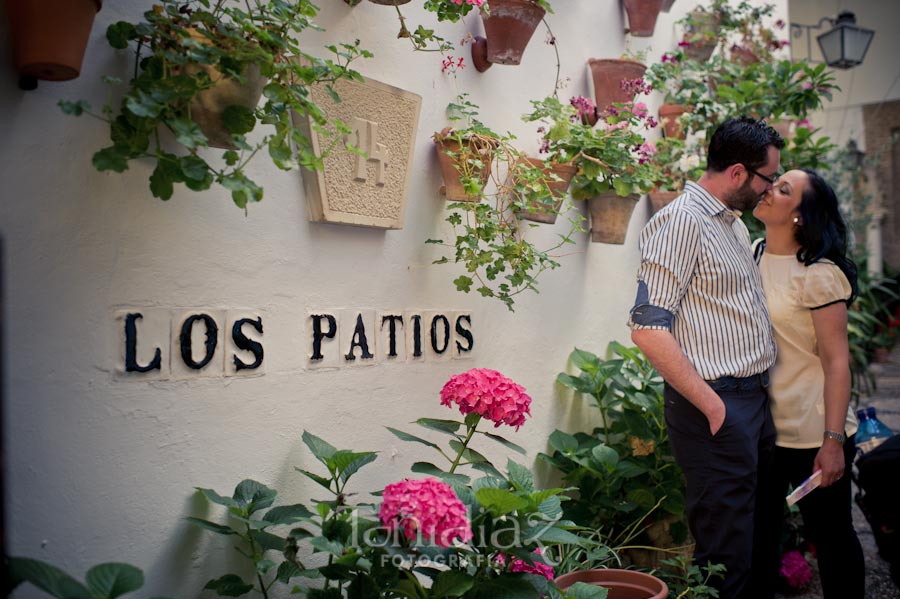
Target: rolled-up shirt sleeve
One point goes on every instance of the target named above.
(670, 246)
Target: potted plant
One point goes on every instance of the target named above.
(615, 79)
(49, 37)
(629, 484)
(190, 56)
(508, 27)
(489, 240)
(621, 584)
(675, 163)
(612, 157)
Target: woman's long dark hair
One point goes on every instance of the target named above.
(823, 232)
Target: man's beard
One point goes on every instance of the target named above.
(744, 198)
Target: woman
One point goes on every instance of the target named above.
(809, 282)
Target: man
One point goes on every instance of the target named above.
(700, 317)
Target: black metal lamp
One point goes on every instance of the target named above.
(844, 46)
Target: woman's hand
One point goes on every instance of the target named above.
(830, 460)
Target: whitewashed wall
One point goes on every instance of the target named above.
(100, 469)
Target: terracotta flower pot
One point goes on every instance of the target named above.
(537, 211)
(659, 199)
(642, 16)
(608, 75)
(389, 2)
(622, 584)
(508, 30)
(668, 118)
(700, 52)
(610, 215)
(209, 105)
(743, 56)
(667, 5)
(50, 36)
(451, 153)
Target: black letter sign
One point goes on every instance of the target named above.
(242, 342)
(434, 333)
(392, 332)
(131, 364)
(359, 340)
(464, 333)
(417, 335)
(212, 333)
(318, 335)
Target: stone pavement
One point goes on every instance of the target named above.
(886, 400)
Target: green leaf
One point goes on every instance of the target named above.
(505, 443)
(187, 133)
(253, 495)
(412, 438)
(74, 108)
(319, 479)
(520, 476)
(319, 448)
(443, 426)
(118, 34)
(583, 590)
(642, 497)
(488, 468)
(550, 534)
(505, 586)
(500, 501)
(230, 585)
(563, 442)
(323, 544)
(216, 498)
(113, 579)
(264, 565)
(348, 463)
(238, 119)
(268, 541)
(451, 583)
(217, 528)
(49, 579)
(573, 382)
(287, 514)
(162, 181)
(606, 455)
(110, 159)
(286, 571)
(428, 468)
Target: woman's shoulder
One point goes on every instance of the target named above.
(823, 282)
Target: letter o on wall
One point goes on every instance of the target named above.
(434, 333)
(212, 334)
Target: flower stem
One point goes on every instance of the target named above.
(469, 432)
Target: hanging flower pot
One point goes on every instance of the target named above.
(622, 584)
(743, 56)
(538, 209)
(668, 117)
(667, 5)
(508, 30)
(610, 215)
(208, 106)
(608, 74)
(642, 16)
(50, 36)
(460, 160)
(659, 199)
(702, 37)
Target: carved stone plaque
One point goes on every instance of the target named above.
(367, 190)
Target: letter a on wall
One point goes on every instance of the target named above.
(368, 189)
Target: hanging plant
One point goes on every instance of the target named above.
(199, 71)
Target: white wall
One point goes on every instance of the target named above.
(100, 469)
(873, 82)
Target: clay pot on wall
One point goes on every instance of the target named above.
(537, 211)
(508, 30)
(50, 36)
(622, 584)
(667, 5)
(610, 215)
(743, 56)
(668, 118)
(389, 2)
(450, 154)
(608, 74)
(642, 16)
(659, 199)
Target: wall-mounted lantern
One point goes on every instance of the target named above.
(844, 46)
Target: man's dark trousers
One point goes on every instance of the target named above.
(721, 472)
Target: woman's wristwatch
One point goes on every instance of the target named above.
(839, 437)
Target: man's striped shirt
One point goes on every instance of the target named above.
(699, 280)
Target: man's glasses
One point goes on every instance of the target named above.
(769, 180)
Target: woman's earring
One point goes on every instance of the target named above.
(796, 219)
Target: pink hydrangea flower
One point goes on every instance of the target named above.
(795, 569)
(426, 509)
(537, 567)
(490, 394)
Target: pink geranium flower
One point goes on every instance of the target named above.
(536, 567)
(426, 509)
(490, 394)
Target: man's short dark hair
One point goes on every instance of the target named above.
(741, 140)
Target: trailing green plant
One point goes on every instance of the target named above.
(489, 239)
(624, 469)
(182, 49)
